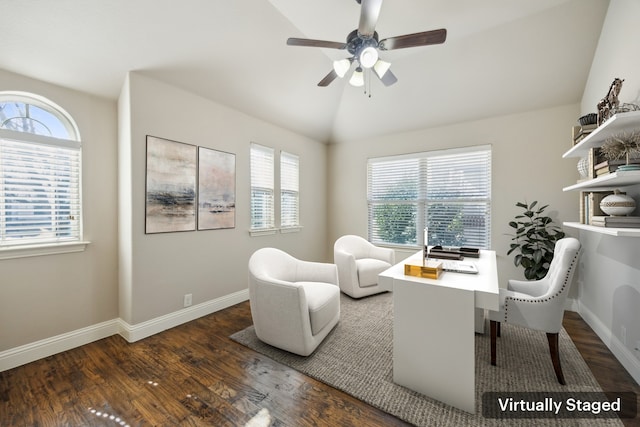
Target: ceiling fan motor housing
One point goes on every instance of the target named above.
(356, 43)
(363, 48)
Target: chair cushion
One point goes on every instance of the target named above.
(368, 270)
(324, 303)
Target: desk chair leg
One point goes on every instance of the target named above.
(555, 356)
(494, 326)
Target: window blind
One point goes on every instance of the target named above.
(262, 187)
(39, 193)
(448, 191)
(289, 190)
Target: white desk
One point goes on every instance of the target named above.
(433, 328)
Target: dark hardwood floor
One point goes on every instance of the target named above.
(194, 375)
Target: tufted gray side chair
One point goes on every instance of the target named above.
(539, 304)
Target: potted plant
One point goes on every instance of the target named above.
(535, 239)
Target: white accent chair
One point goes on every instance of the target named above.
(539, 304)
(359, 263)
(294, 303)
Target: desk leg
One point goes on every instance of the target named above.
(434, 342)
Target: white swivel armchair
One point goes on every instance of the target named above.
(359, 263)
(294, 303)
(539, 304)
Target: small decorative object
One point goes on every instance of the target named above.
(618, 204)
(583, 167)
(429, 269)
(623, 146)
(610, 102)
(588, 119)
(535, 239)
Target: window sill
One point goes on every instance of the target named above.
(294, 229)
(262, 231)
(270, 231)
(42, 250)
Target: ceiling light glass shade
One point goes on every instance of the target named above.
(368, 57)
(357, 79)
(341, 67)
(381, 67)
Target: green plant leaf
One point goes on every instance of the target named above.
(535, 238)
(517, 260)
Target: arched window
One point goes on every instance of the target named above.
(40, 154)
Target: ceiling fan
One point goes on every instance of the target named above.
(363, 44)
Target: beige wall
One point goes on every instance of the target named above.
(161, 268)
(527, 165)
(44, 296)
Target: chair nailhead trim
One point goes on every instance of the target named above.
(560, 291)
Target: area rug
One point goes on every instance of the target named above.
(356, 358)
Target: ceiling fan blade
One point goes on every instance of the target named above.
(413, 40)
(292, 41)
(369, 13)
(388, 78)
(328, 79)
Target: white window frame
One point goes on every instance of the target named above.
(409, 172)
(67, 141)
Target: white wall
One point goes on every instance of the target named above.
(609, 276)
(44, 296)
(527, 165)
(210, 264)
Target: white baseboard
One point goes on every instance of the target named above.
(133, 333)
(619, 350)
(572, 304)
(27, 353)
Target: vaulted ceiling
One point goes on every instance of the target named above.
(500, 56)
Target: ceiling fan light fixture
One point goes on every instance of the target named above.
(368, 57)
(357, 78)
(341, 67)
(381, 67)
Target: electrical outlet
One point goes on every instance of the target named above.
(188, 300)
(623, 334)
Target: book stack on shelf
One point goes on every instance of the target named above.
(609, 166)
(578, 133)
(616, 221)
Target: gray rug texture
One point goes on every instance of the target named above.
(356, 357)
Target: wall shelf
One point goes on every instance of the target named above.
(620, 122)
(607, 182)
(620, 232)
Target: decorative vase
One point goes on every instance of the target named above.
(618, 204)
(583, 167)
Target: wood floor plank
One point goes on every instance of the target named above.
(194, 375)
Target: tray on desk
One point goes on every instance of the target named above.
(454, 253)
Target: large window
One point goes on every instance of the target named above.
(447, 191)
(289, 190)
(40, 155)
